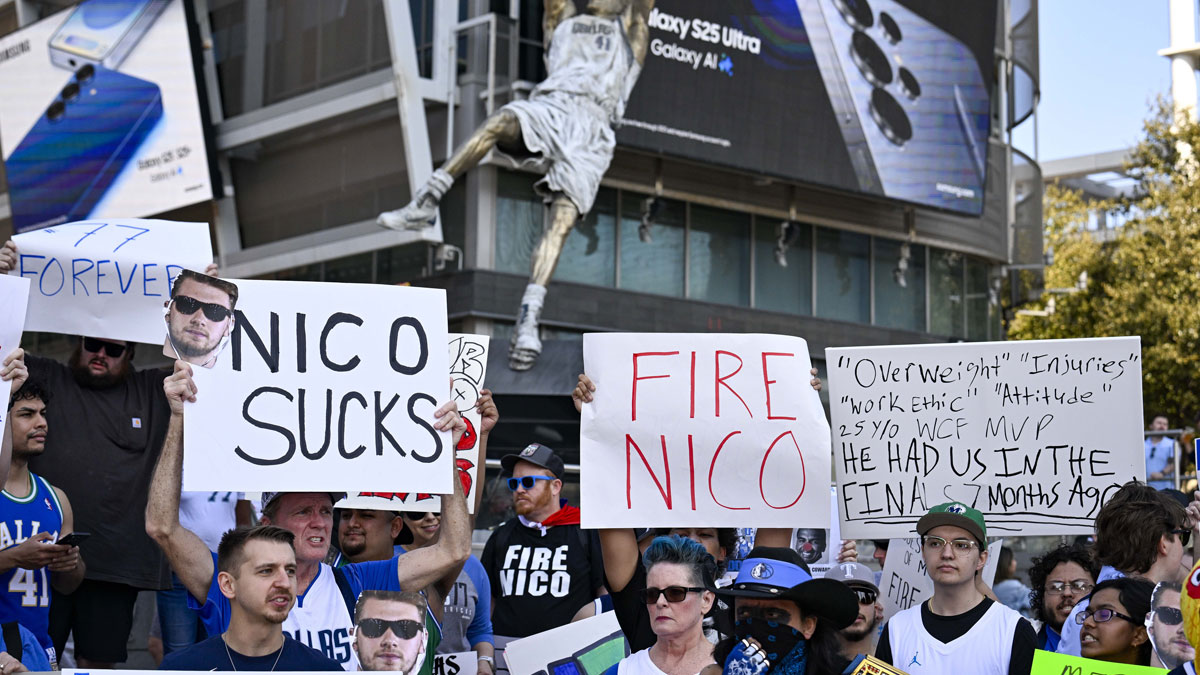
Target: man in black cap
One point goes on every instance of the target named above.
(785, 621)
(542, 567)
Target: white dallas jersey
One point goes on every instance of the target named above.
(590, 56)
(322, 621)
(985, 649)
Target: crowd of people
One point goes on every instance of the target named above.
(93, 511)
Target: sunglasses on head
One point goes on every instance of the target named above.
(527, 482)
(1171, 616)
(413, 515)
(405, 629)
(673, 593)
(866, 597)
(212, 311)
(96, 346)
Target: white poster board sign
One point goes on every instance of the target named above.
(468, 365)
(1034, 434)
(712, 430)
(905, 582)
(592, 646)
(14, 297)
(324, 387)
(107, 278)
(458, 663)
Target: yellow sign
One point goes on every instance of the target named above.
(873, 666)
(1049, 663)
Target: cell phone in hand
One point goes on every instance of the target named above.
(73, 539)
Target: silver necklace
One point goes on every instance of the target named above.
(234, 665)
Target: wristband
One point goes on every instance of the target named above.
(491, 660)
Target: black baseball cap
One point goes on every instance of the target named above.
(535, 453)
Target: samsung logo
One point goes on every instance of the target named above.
(14, 51)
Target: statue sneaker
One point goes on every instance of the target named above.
(419, 214)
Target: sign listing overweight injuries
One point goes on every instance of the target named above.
(324, 387)
(107, 278)
(719, 430)
(1035, 434)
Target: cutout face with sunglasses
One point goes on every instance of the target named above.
(199, 318)
(389, 635)
(1165, 623)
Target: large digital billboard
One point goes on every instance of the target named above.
(885, 97)
(99, 114)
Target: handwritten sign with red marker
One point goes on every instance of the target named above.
(702, 430)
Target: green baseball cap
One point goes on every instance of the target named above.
(956, 514)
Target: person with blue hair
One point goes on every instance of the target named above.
(680, 578)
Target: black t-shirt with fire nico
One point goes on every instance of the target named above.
(540, 581)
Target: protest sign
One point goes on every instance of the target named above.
(324, 387)
(905, 582)
(1035, 434)
(865, 664)
(107, 278)
(705, 430)
(14, 297)
(592, 645)
(458, 663)
(819, 548)
(1050, 663)
(468, 365)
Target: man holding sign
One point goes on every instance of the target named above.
(325, 617)
(958, 630)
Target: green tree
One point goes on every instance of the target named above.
(1143, 281)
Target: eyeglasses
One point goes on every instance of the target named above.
(405, 629)
(96, 346)
(1060, 587)
(959, 546)
(527, 482)
(1171, 616)
(212, 311)
(413, 515)
(673, 593)
(866, 597)
(1105, 615)
(1185, 535)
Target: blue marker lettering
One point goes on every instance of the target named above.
(30, 273)
(102, 226)
(100, 275)
(62, 278)
(146, 279)
(172, 275)
(129, 239)
(75, 272)
(121, 280)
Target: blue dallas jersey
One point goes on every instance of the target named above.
(25, 594)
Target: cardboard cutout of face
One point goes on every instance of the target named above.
(199, 318)
(1189, 604)
(1165, 628)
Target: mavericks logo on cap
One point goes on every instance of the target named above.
(529, 450)
(762, 571)
(956, 508)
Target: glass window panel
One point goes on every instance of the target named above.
(782, 289)
(519, 218)
(843, 275)
(657, 266)
(399, 264)
(589, 255)
(353, 269)
(719, 256)
(946, 293)
(896, 305)
(979, 310)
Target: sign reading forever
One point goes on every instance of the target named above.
(324, 387)
(1035, 434)
(14, 296)
(702, 429)
(107, 278)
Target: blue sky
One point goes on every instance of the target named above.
(1100, 72)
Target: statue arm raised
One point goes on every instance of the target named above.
(638, 29)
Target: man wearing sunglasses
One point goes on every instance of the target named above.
(1140, 532)
(199, 317)
(1164, 624)
(859, 637)
(958, 629)
(541, 566)
(389, 631)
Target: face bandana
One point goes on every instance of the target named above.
(784, 646)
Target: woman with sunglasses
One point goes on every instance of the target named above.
(679, 581)
(1112, 626)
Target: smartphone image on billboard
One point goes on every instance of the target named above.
(910, 99)
(82, 141)
(102, 32)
